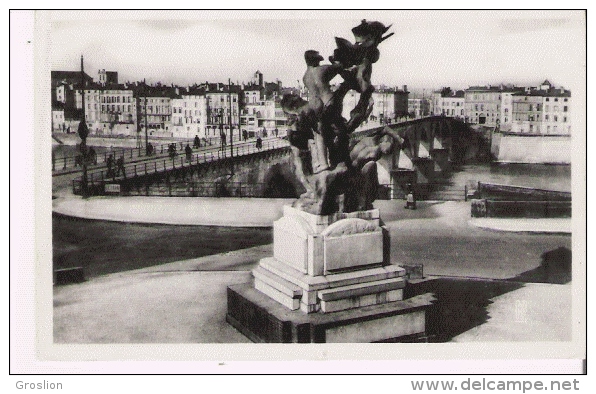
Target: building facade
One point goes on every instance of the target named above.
(483, 105)
(154, 109)
(189, 115)
(252, 95)
(390, 104)
(222, 110)
(542, 110)
(263, 116)
(448, 103)
(418, 108)
(109, 110)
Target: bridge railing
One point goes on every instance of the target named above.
(74, 161)
(425, 192)
(165, 164)
(164, 188)
(198, 189)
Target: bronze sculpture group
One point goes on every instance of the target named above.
(339, 176)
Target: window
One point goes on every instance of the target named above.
(565, 100)
(545, 117)
(564, 119)
(556, 99)
(546, 108)
(547, 129)
(506, 110)
(556, 118)
(547, 99)
(565, 109)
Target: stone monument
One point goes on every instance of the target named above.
(330, 278)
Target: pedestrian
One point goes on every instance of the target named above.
(188, 151)
(244, 135)
(110, 165)
(276, 131)
(172, 150)
(223, 139)
(259, 143)
(410, 200)
(92, 156)
(197, 142)
(264, 132)
(120, 167)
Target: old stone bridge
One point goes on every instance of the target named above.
(430, 145)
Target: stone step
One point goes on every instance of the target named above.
(280, 284)
(284, 299)
(312, 283)
(361, 289)
(362, 301)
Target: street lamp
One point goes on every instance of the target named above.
(83, 132)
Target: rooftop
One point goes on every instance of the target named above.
(552, 92)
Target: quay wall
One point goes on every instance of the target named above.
(531, 149)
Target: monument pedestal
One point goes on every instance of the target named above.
(329, 280)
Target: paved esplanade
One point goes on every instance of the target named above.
(437, 234)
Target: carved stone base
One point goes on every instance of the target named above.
(327, 265)
(264, 320)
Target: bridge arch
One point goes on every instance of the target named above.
(281, 182)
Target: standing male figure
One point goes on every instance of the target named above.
(323, 104)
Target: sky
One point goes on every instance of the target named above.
(430, 49)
